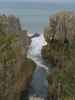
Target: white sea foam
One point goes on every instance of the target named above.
(35, 50)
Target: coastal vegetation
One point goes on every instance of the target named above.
(60, 53)
(15, 68)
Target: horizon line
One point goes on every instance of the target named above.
(39, 2)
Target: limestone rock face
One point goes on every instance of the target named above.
(15, 69)
(61, 26)
(10, 23)
(59, 52)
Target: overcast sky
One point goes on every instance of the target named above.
(55, 1)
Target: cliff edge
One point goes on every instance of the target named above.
(59, 52)
(15, 69)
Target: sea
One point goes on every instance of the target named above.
(34, 16)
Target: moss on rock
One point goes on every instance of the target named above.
(15, 69)
(60, 52)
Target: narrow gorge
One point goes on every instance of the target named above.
(38, 66)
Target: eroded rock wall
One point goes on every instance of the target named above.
(15, 69)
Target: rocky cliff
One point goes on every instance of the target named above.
(15, 69)
(59, 35)
(61, 26)
(59, 51)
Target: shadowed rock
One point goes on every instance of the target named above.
(15, 69)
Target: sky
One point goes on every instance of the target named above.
(52, 1)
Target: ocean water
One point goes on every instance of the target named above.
(33, 16)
